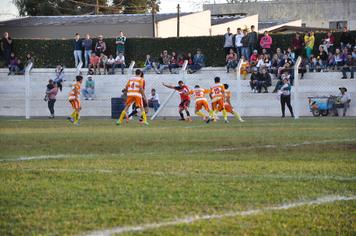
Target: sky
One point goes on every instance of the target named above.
(8, 10)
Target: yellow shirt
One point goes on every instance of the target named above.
(309, 41)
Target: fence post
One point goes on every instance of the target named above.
(296, 88)
(131, 66)
(28, 91)
(238, 104)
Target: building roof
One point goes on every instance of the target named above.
(223, 20)
(271, 23)
(287, 29)
(88, 19)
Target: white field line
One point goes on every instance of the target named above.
(67, 156)
(195, 218)
(195, 174)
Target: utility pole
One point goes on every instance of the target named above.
(97, 7)
(153, 2)
(178, 20)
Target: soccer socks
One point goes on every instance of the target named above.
(201, 114)
(237, 115)
(77, 116)
(188, 114)
(181, 115)
(73, 114)
(224, 114)
(144, 117)
(122, 116)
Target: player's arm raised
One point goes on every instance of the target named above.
(169, 86)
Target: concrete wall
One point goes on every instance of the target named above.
(12, 92)
(68, 32)
(315, 13)
(197, 24)
(245, 22)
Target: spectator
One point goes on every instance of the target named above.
(266, 42)
(260, 61)
(285, 75)
(237, 39)
(264, 82)
(110, 64)
(285, 92)
(354, 53)
(58, 80)
(189, 58)
(166, 59)
(173, 64)
(87, 45)
(254, 58)
(29, 59)
(252, 39)
(78, 44)
(266, 62)
(228, 43)
(349, 66)
(244, 67)
(309, 43)
(255, 77)
(313, 63)
(180, 60)
(322, 58)
(100, 46)
(120, 43)
(297, 45)
(51, 94)
(6, 47)
(328, 42)
(291, 55)
(89, 90)
(198, 62)
(94, 62)
(149, 64)
(119, 63)
(103, 61)
(245, 50)
(339, 59)
(231, 60)
(279, 54)
(153, 100)
(341, 101)
(13, 66)
(302, 67)
(21, 67)
(345, 39)
(274, 64)
(331, 61)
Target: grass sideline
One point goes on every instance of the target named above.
(99, 176)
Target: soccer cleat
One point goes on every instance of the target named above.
(70, 119)
(208, 120)
(241, 120)
(188, 119)
(145, 123)
(226, 121)
(118, 122)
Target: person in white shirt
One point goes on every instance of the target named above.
(342, 101)
(153, 100)
(110, 64)
(228, 43)
(119, 62)
(237, 39)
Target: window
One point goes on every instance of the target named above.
(337, 24)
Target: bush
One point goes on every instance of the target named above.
(48, 53)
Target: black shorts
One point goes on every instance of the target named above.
(184, 104)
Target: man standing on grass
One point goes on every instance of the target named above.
(74, 100)
(183, 91)
(217, 91)
(135, 93)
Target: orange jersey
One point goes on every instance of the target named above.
(217, 92)
(199, 94)
(227, 95)
(134, 87)
(75, 92)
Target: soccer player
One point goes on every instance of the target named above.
(201, 102)
(144, 100)
(183, 91)
(217, 93)
(74, 100)
(135, 93)
(227, 104)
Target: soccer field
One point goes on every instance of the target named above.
(266, 176)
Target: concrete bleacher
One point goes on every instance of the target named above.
(12, 92)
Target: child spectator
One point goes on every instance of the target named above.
(119, 63)
(244, 67)
(59, 71)
(94, 62)
(254, 58)
(13, 66)
(153, 100)
(231, 60)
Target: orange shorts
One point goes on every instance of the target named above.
(75, 104)
(218, 105)
(200, 104)
(228, 107)
(134, 99)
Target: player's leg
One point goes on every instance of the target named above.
(198, 107)
(222, 108)
(186, 108)
(77, 110)
(139, 103)
(129, 101)
(180, 110)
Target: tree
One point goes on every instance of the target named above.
(137, 6)
(57, 7)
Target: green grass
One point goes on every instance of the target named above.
(101, 176)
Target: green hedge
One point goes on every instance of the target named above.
(48, 53)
